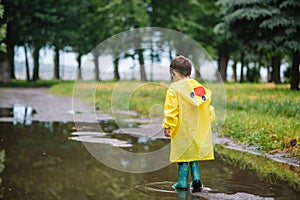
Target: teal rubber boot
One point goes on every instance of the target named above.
(196, 184)
(183, 175)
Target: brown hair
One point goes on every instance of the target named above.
(182, 65)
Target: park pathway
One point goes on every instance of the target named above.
(48, 107)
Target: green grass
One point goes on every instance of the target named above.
(264, 115)
(63, 88)
(136, 96)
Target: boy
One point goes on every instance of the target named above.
(187, 119)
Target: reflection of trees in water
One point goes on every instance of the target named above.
(43, 164)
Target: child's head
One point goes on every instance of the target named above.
(182, 65)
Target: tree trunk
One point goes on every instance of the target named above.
(26, 64)
(260, 65)
(269, 76)
(36, 64)
(295, 71)
(170, 58)
(10, 52)
(234, 76)
(276, 69)
(151, 70)
(78, 58)
(247, 71)
(198, 75)
(4, 68)
(197, 69)
(96, 63)
(223, 61)
(116, 68)
(56, 64)
(142, 66)
(152, 56)
(258, 72)
(196, 62)
(242, 67)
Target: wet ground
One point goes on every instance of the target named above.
(41, 162)
(45, 157)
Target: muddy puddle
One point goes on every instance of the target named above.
(49, 161)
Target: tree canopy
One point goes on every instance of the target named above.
(259, 33)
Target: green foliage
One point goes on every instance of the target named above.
(2, 30)
(195, 19)
(64, 16)
(269, 25)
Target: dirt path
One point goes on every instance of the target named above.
(48, 107)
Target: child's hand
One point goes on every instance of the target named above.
(167, 132)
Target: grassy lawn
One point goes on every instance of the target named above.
(264, 115)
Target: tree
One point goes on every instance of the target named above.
(12, 35)
(64, 23)
(36, 23)
(269, 26)
(284, 28)
(202, 17)
(18, 17)
(195, 18)
(85, 36)
(242, 19)
(120, 16)
(290, 11)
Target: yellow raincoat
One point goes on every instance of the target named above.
(188, 114)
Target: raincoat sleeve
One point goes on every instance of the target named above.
(171, 111)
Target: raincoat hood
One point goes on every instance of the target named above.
(192, 91)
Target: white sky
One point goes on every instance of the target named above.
(127, 67)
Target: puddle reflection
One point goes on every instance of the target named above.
(22, 114)
(19, 113)
(40, 162)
